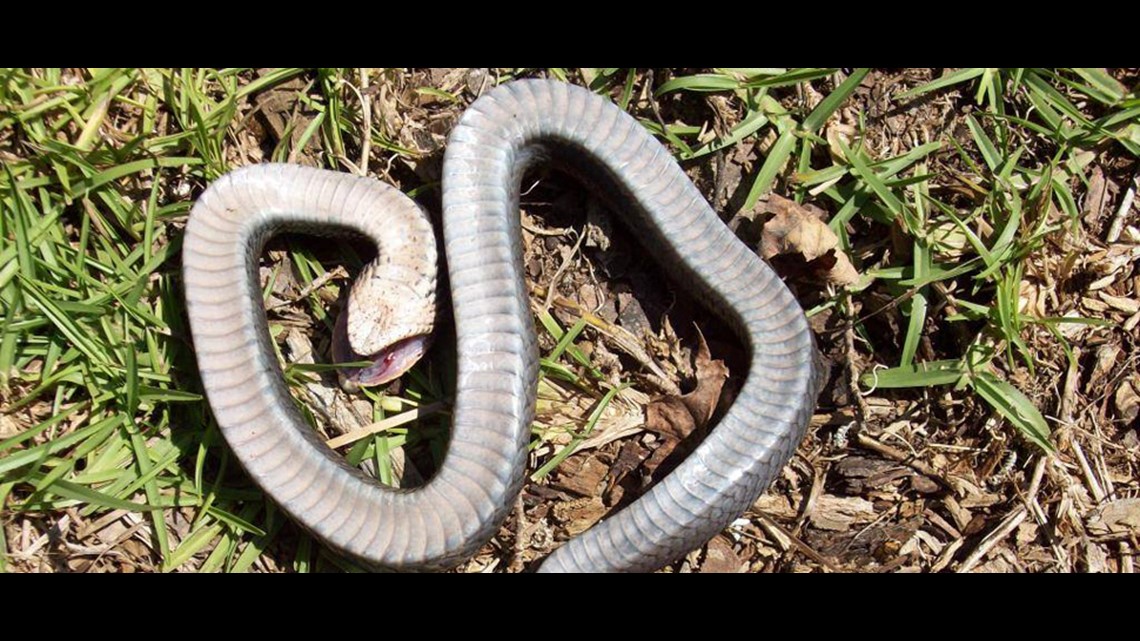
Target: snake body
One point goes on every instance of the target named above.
(445, 521)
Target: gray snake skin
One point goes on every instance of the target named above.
(445, 521)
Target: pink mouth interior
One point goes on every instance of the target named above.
(387, 365)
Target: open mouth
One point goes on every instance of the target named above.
(386, 365)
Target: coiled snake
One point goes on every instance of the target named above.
(448, 519)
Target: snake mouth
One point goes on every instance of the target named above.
(386, 365)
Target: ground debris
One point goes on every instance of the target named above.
(805, 244)
(839, 513)
(1119, 517)
(677, 418)
(721, 558)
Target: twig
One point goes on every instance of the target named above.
(1117, 224)
(947, 555)
(1090, 478)
(28, 549)
(787, 539)
(1008, 525)
(553, 289)
(366, 113)
(386, 424)
(516, 564)
(868, 443)
(621, 339)
(318, 282)
(1069, 391)
(1039, 514)
(557, 231)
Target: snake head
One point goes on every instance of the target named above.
(387, 321)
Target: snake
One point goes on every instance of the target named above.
(511, 128)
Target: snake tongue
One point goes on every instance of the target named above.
(387, 365)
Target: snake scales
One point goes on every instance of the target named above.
(443, 522)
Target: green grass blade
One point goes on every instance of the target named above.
(962, 75)
(1008, 401)
(588, 428)
(777, 156)
(705, 82)
(916, 375)
(816, 119)
(985, 145)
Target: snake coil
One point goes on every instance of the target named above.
(459, 509)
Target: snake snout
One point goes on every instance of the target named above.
(388, 364)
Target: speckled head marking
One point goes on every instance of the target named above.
(391, 308)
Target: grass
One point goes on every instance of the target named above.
(98, 385)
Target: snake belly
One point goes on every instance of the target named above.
(448, 519)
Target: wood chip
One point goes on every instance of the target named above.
(582, 474)
(841, 513)
(1094, 202)
(1093, 304)
(1127, 399)
(579, 515)
(1126, 305)
(1130, 324)
(1121, 516)
(721, 558)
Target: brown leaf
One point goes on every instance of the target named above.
(675, 418)
(669, 417)
(837, 132)
(721, 558)
(711, 376)
(795, 233)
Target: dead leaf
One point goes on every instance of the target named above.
(949, 239)
(669, 417)
(795, 233)
(721, 558)
(629, 458)
(1032, 299)
(675, 418)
